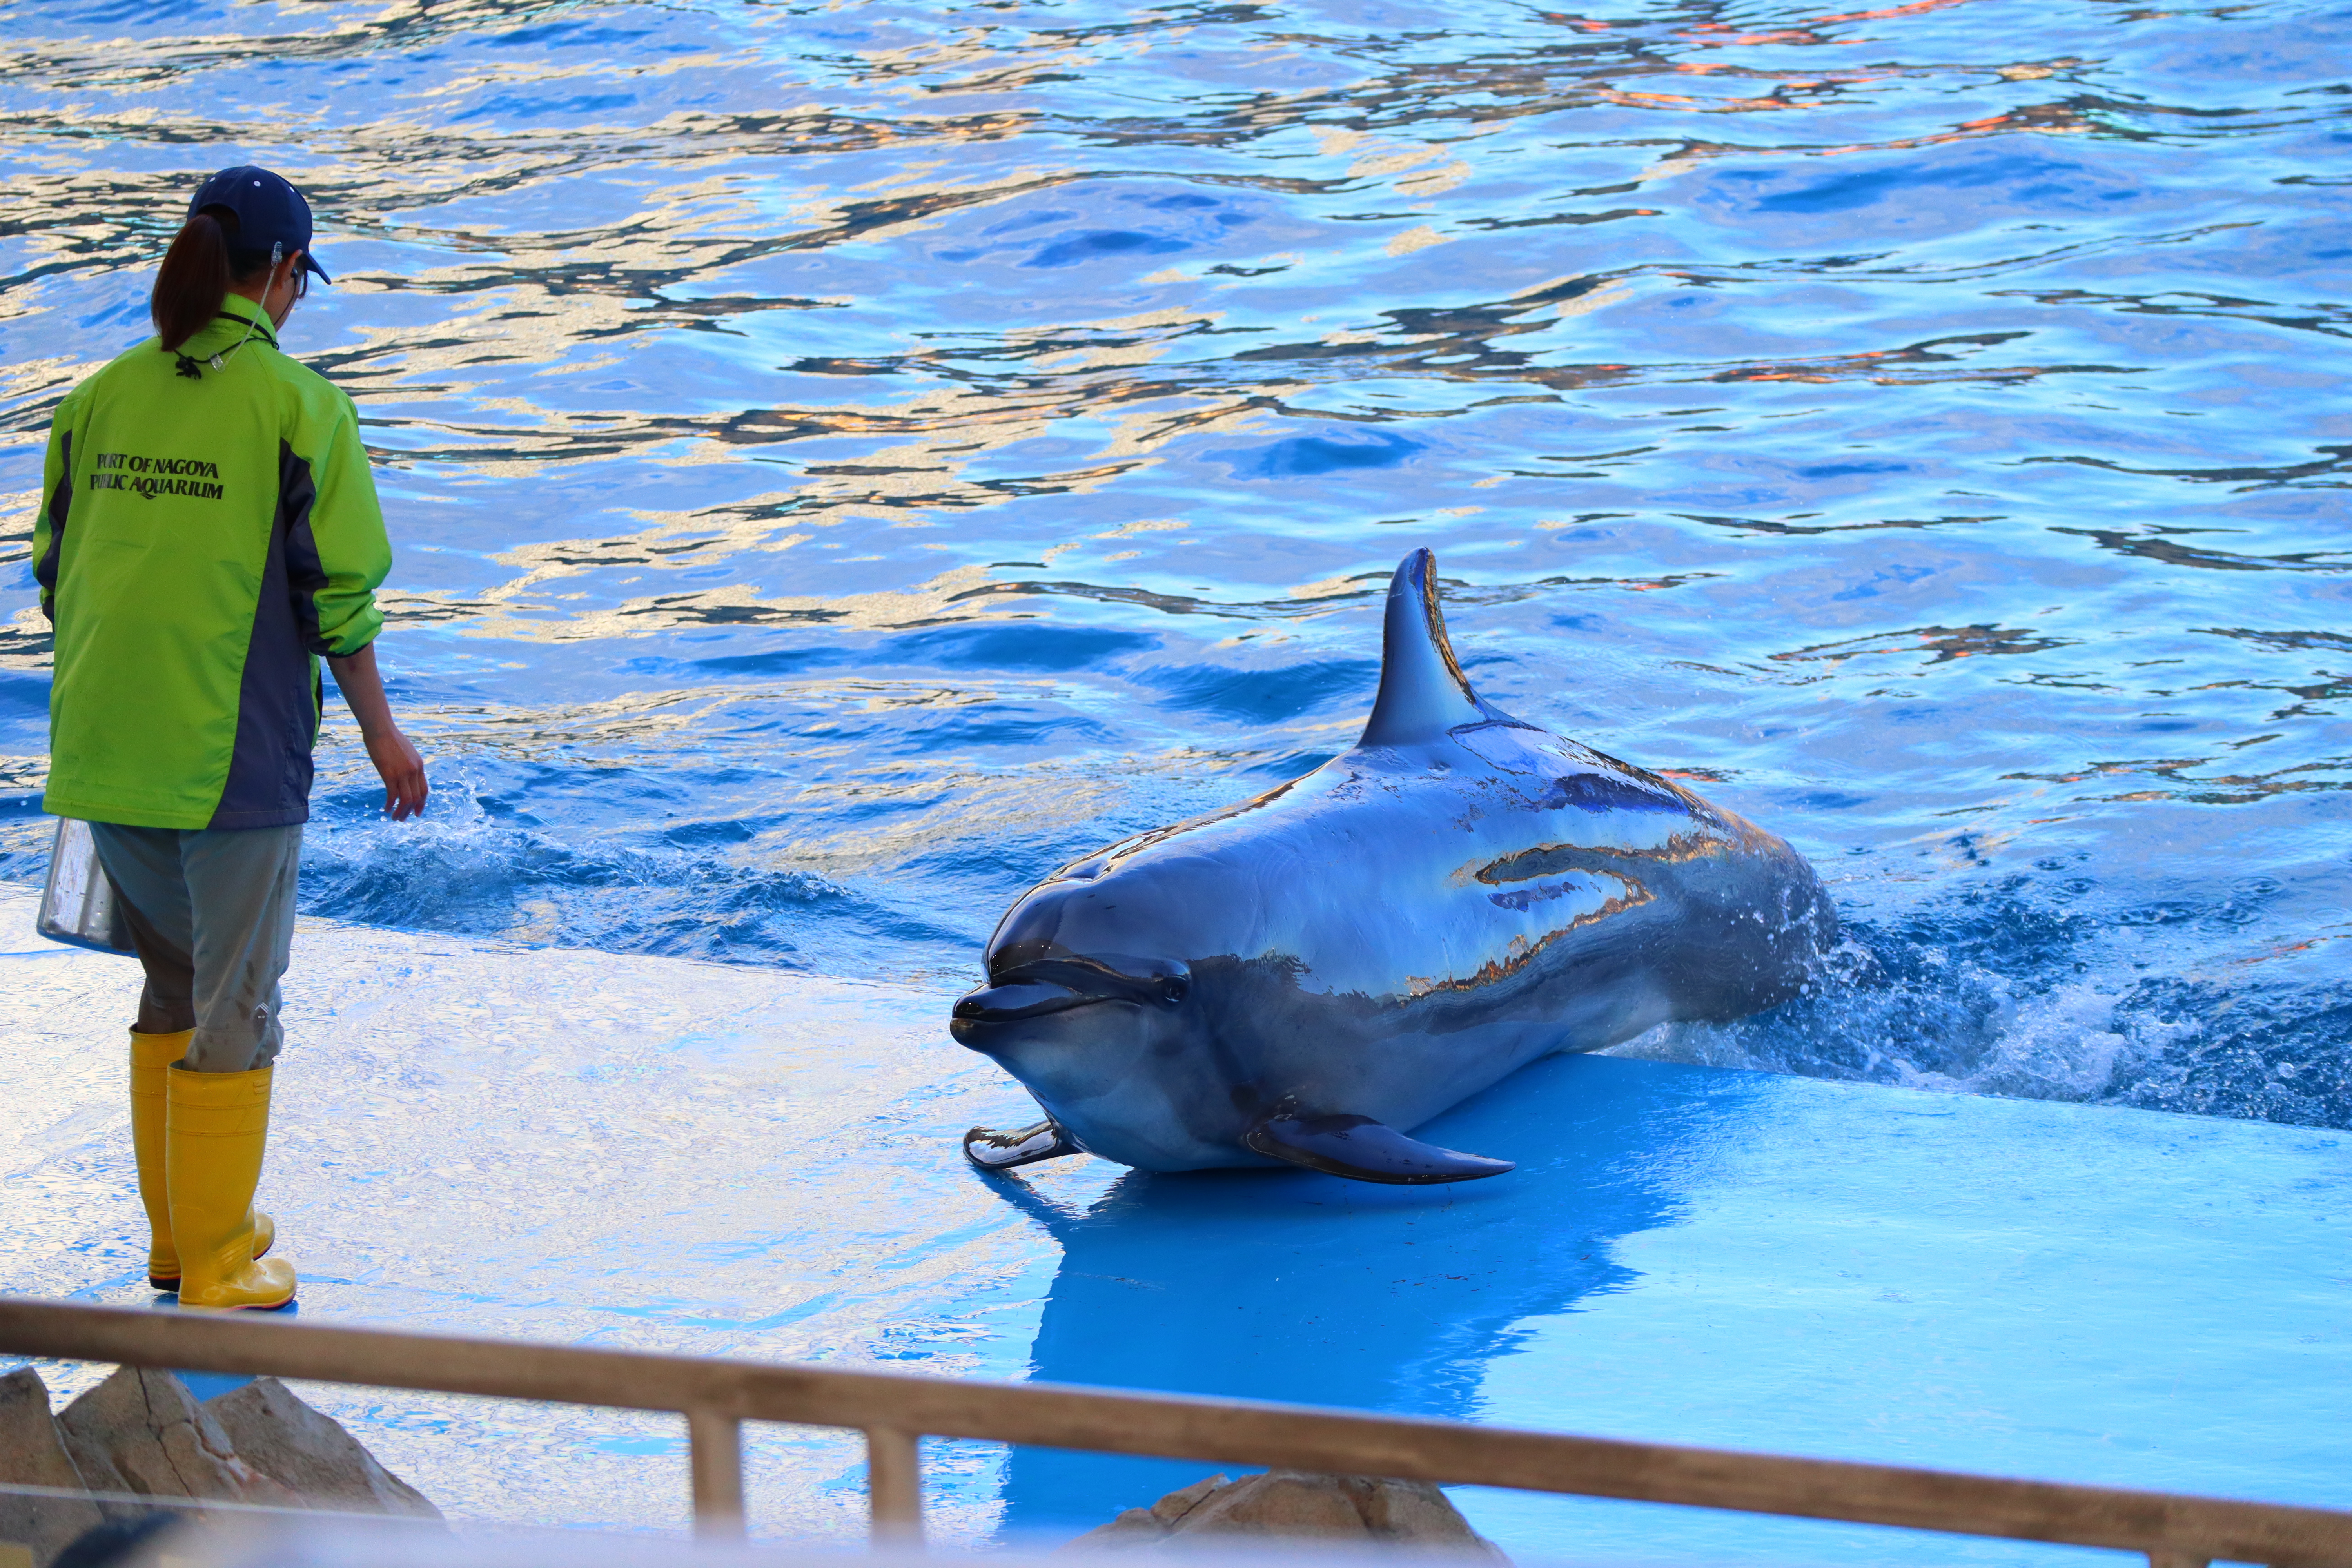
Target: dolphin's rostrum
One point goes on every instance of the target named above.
(1300, 977)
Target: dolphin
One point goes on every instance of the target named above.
(1308, 976)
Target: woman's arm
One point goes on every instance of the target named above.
(387, 748)
(56, 500)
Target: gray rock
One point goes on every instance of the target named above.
(33, 1454)
(309, 1453)
(143, 1432)
(1290, 1505)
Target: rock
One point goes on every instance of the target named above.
(1143, 1526)
(1177, 1504)
(143, 1432)
(309, 1453)
(1418, 1512)
(1290, 1505)
(33, 1454)
(1287, 1504)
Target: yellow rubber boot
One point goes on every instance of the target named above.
(215, 1127)
(150, 1056)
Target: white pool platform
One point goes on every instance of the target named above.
(627, 1151)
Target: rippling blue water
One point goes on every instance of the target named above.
(846, 458)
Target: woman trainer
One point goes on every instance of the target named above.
(209, 529)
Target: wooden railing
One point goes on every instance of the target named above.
(895, 1411)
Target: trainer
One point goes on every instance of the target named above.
(208, 529)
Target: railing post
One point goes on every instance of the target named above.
(894, 1487)
(715, 1447)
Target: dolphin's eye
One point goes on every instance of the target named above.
(1173, 988)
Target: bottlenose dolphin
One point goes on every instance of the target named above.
(1306, 976)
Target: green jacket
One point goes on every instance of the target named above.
(204, 534)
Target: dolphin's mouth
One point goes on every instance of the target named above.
(1012, 1004)
(1044, 986)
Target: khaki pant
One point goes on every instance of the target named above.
(211, 913)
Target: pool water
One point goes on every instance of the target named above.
(844, 459)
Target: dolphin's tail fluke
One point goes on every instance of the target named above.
(1366, 1151)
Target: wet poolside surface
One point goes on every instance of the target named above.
(847, 460)
(645, 1154)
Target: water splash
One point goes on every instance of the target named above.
(847, 461)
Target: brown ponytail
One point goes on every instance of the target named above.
(204, 261)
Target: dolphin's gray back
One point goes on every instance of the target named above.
(1407, 925)
(1457, 895)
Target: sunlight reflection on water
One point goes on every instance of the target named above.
(847, 460)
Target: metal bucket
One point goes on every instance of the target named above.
(77, 903)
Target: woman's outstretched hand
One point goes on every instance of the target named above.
(404, 770)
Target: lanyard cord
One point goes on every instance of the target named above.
(187, 365)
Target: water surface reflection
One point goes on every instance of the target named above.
(847, 459)
(1309, 1290)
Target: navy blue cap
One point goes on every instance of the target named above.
(268, 212)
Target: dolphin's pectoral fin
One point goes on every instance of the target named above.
(1002, 1151)
(1365, 1150)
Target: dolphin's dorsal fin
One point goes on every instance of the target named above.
(1423, 692)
